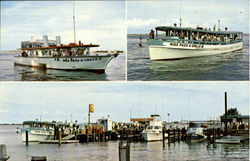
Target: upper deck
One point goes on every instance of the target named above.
(196, 35)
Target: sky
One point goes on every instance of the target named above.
(100, 22)
(58, 100)
(146, 15)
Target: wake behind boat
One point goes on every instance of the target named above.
(65, 57)
(183, 42)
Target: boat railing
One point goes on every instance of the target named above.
(177, 40)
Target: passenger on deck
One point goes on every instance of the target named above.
(152, 34)
(193, 36)
(171, 33)
(24, 54)
(79, 51)
(182, 36)
(70, 52)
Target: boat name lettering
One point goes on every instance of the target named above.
(187, 45)
(78, 59)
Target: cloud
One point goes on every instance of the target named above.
(3, 110)
(20, 21)
(139, 23)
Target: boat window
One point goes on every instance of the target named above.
(157, 127)
(150, 127)
(161, 34)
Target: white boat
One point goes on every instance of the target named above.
(154, 131)
(182, 42)
(231, 139)
(37, 130)
(195, 132)
(73, 56)
(65, 57)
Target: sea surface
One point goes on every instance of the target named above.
(228, 66)
(108, 151)
(10, 72)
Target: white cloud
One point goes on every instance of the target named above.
(93, 20)
(138, 22)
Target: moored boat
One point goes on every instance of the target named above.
(38, 130)
(182, 42)
(154, 131)
(195, 132)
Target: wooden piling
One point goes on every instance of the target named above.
(163, 137)
(87, 134)
(38, 158)
(94, 135)
(174, 134)
(169, 135)
(59, 137)
(178, 136)
(99, 135)
(27, 138)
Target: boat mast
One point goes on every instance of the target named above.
(74, 23)
(180, 13)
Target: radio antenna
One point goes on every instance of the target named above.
(74, 23)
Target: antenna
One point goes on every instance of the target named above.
(74, 23)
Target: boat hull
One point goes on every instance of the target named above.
(173, 51)
(152, 136)
(35, 135)
(196, 138)
(89, 63)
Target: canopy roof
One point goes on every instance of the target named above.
(72, 45)
(38, 122)
(165, 28)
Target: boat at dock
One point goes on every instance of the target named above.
(183, 42)
(38, 130)
(195, 132)
(154, 131)
(65, 57)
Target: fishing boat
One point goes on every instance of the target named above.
(154, 131)
(72, 56)
(173, 43)
(195, 132)
(65, 57)
(38, 130)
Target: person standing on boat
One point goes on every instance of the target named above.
(151, 34)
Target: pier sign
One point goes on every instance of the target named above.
(91, 107)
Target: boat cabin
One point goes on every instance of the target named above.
(197, 36)
(58, 51)
(38, 124)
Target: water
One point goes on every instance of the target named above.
(9, 72)
(109, 150)
(228, 66)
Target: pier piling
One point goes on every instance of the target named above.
(27, 138)
(59, 137)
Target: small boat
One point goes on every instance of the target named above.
(231, 139)
(65, 57)
(175, 43)
(195, 132)
(154, 131)
(38, 130)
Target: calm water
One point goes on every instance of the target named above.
(9, 72)
(109, 150)
(228, 66)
